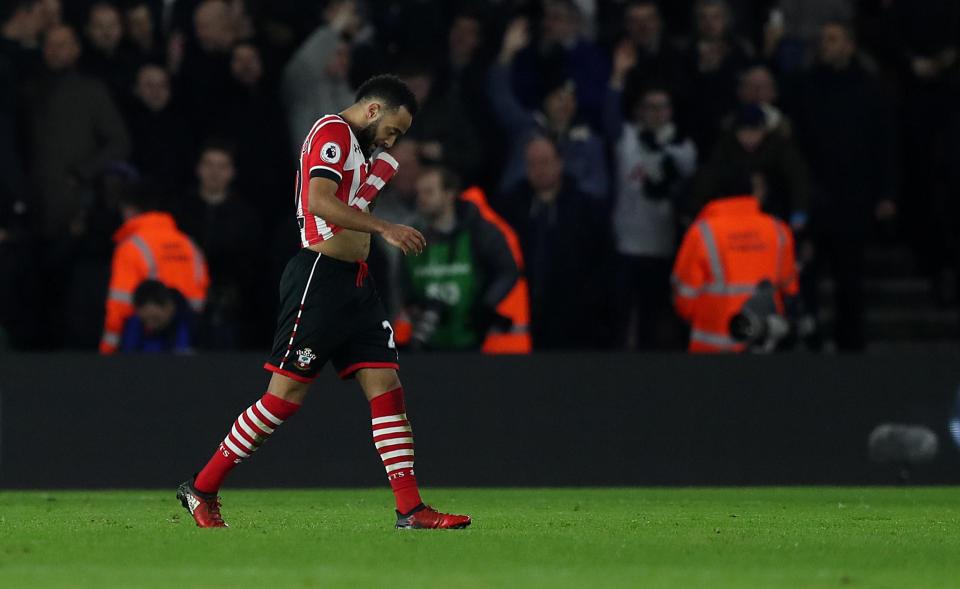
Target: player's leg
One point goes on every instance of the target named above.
(294, 364)
(393, 439)
(392, 434)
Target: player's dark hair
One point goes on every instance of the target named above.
(391, 90)
(152, 292)
(449, 180)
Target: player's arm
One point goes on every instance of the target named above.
(323, 202)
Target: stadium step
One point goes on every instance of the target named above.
(903, 309)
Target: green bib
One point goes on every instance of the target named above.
(446, 272)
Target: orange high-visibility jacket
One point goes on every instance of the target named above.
(730, 248)
(515, 306)
(150, 247)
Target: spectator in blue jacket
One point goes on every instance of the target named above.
(163, 321)
(562, 45)
(582, 150)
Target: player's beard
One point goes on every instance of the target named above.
(366, 138)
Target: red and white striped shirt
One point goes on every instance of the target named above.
(331, 151)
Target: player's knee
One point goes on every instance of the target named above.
(288, 389)
(378, 381)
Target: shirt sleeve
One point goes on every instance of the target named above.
(127, 273)
(328, 151)
(789, 281)
(689, 274)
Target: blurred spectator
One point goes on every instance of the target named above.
(451, 291)
(461, 82)
(757, 86)
(149, 246)
(104, 57)
(653, 163)
(229, 232)
(202, 76)
(162, 321)
(582, 151)
(20, 26)
(714, 58)
(316, 79)
(657, 60)
(727, 254)
(548, 213)
(560, 51)
(259, 140)
(75, 131)
(844, 125)
(161, 137)
(22, 23)
(793, 28)
(749, 144)
(442, 127)
(141, 30)
(402, 28)
(926, 52)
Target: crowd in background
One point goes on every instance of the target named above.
(596, 129)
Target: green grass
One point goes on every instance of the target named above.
(588, 539)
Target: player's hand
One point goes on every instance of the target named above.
(515, 38)
(406, 238)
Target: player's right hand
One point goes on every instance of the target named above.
(406, 238)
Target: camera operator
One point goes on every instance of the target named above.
(735, 277)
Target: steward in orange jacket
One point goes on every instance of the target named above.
(149, 246)
(730, 248)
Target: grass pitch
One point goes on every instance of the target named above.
(583, 538)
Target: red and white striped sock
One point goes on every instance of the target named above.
(393, 438)
(251, 428)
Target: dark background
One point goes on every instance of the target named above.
(548, 419)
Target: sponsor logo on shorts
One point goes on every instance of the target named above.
(304, 358)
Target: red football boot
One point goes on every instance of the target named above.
(204, 508)
(425, 517)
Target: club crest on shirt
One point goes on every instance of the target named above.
(304, 358)
(330, 152)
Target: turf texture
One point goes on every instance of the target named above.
(583, 538)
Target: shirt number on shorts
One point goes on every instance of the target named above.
(390, 343)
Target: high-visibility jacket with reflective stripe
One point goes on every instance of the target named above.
(730, 248)
(516, 305)
(150, 247)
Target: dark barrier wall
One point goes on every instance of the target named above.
(566, 419)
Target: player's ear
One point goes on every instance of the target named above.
(373, 111)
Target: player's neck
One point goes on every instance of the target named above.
(355, 116)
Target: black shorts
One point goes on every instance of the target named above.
(329, 310)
